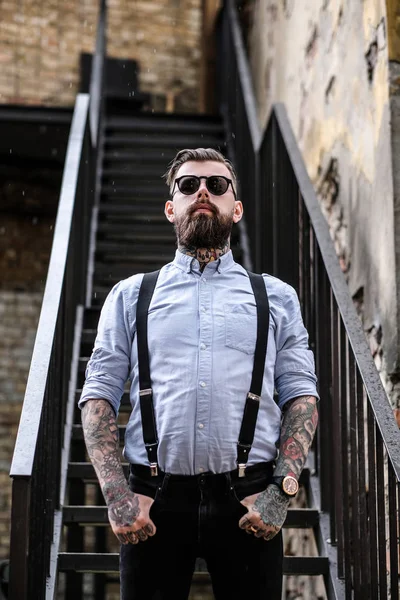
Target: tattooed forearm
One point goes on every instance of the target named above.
(297, 433)
(102, 443)
(128, 512)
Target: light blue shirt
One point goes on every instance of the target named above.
(202, 334)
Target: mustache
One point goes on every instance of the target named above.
(198, 205)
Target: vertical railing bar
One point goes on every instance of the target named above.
(355, 534)
(338, 349)
(344, 392)
(393, 517)
(380, 485)
(19, 547)
(337, 458)
(333, 414)
(317, 441)
(372, 503)
(362, 509)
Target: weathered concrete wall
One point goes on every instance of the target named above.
(327, 60)
(40, 44)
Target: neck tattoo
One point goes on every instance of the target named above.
(205, 255)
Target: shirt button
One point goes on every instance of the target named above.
(201, 426)
(203, 346)
(201, 469)
(203, 384)
(203, 309)
(204, 280)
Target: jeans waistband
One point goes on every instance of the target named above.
(263, 468)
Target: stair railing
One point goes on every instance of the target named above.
(39, 463)
(357, 450)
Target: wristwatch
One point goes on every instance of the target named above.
(288, 484)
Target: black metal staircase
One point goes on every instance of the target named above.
(110, 226)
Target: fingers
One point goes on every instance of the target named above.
(253, 525)
(138, 535)
(127, 538)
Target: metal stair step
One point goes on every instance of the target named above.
(141, 231)
(109, 563)
(299, 518)
(134, 247)
(147, 156)
(165, 123)
(176, 142)
(151, 189)
(150, 171)
(141, 211)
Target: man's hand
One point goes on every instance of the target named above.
(129, 518)
(266, 512)
(128, 513)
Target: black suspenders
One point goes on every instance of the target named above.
(246, 435)
(145, 392)
(247, 430)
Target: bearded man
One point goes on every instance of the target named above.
(223, 396)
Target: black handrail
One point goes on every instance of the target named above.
(39, 468)
(357, 451)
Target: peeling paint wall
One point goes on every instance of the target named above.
(327, 60)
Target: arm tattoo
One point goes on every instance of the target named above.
(297, 432)
(272, 506)
(102, 443)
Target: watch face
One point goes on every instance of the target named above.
(290, 486)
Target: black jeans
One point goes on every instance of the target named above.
(197, 516)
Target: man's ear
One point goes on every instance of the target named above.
(169, 211)
(238, 211)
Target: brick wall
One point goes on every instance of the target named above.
(40, 44)
(19, 313)
(28, 203)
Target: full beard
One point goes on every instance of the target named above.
(202, 230)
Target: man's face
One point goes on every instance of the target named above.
(203, 220)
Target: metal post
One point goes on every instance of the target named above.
(19, 541)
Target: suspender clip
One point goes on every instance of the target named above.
(147, 392)
(241, 468)
(153, 469)
(253, 396)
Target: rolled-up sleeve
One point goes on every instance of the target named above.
(294, 368)
(108, 368)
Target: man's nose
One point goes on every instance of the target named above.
(202, 192)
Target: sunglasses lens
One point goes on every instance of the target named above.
(188, 185)
(217, 185)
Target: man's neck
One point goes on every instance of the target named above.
(205, 255)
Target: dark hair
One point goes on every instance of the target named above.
(197, 154)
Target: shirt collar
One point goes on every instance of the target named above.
(189, 264)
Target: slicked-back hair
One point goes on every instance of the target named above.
(199, 155)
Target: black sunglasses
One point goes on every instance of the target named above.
(216, 184)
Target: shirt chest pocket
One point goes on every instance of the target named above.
(240, 327)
